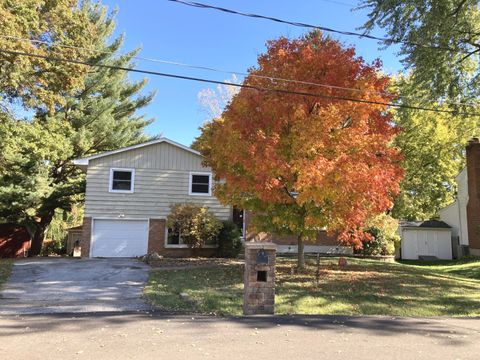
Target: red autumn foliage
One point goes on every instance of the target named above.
(335, 154)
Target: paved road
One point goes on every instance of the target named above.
(160, 336)
(39, 286)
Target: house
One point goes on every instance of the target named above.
(463, 215)
(130, 191)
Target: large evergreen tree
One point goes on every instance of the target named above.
(37, 176)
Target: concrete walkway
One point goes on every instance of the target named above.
(161, 336)
(41, 286)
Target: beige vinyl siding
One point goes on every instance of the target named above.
(162, 176)
(156, 156)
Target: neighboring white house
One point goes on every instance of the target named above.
(455, 214)
(462, 215)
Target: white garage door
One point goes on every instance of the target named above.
(119, 238)
(431, 242)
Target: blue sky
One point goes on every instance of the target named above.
(175, 32)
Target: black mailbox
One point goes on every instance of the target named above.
(262, 257)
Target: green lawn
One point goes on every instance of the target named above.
(364, 287)
(468, 267)
(5, 269)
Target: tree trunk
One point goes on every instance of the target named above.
(301, 253)
(39, 236)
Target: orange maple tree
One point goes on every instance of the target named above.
(304, 163)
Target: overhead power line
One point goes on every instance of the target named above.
(254, 87)
(339, 3)
(197, 67)
(239, 73)
(384, 40)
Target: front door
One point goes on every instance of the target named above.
(238, 217)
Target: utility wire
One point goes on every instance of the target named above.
(239, 73)
(384, 40)
(339, 3)
(254, 87)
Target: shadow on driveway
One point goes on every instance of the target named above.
(40, 286)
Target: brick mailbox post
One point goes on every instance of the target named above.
(259, 291)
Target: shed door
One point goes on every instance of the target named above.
(432, 242)
(119, 238)
(410, 245)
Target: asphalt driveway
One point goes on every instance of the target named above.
(42, 286)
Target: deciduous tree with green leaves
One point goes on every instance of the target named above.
(441, 43)
(37, 176)
(441, 51)
(433, 146)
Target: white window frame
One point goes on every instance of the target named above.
(209, 183)
(173, 246)
(110, 183)
(183, 246)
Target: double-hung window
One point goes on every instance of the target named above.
(122, 180)
(200, 183)
(175, 240)
(173, 237)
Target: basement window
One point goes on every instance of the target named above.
(122, 180)
(174, 239)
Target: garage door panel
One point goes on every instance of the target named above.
(119, 238)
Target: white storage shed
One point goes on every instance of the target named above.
(430, 238)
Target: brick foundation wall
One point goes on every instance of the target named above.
(187, 252)
(156, 243)
(473, 205)
(156, 235)
(322, 238)
(474, 252)
(86, 236)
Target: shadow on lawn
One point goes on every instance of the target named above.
(369, 286)
(386, 289)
